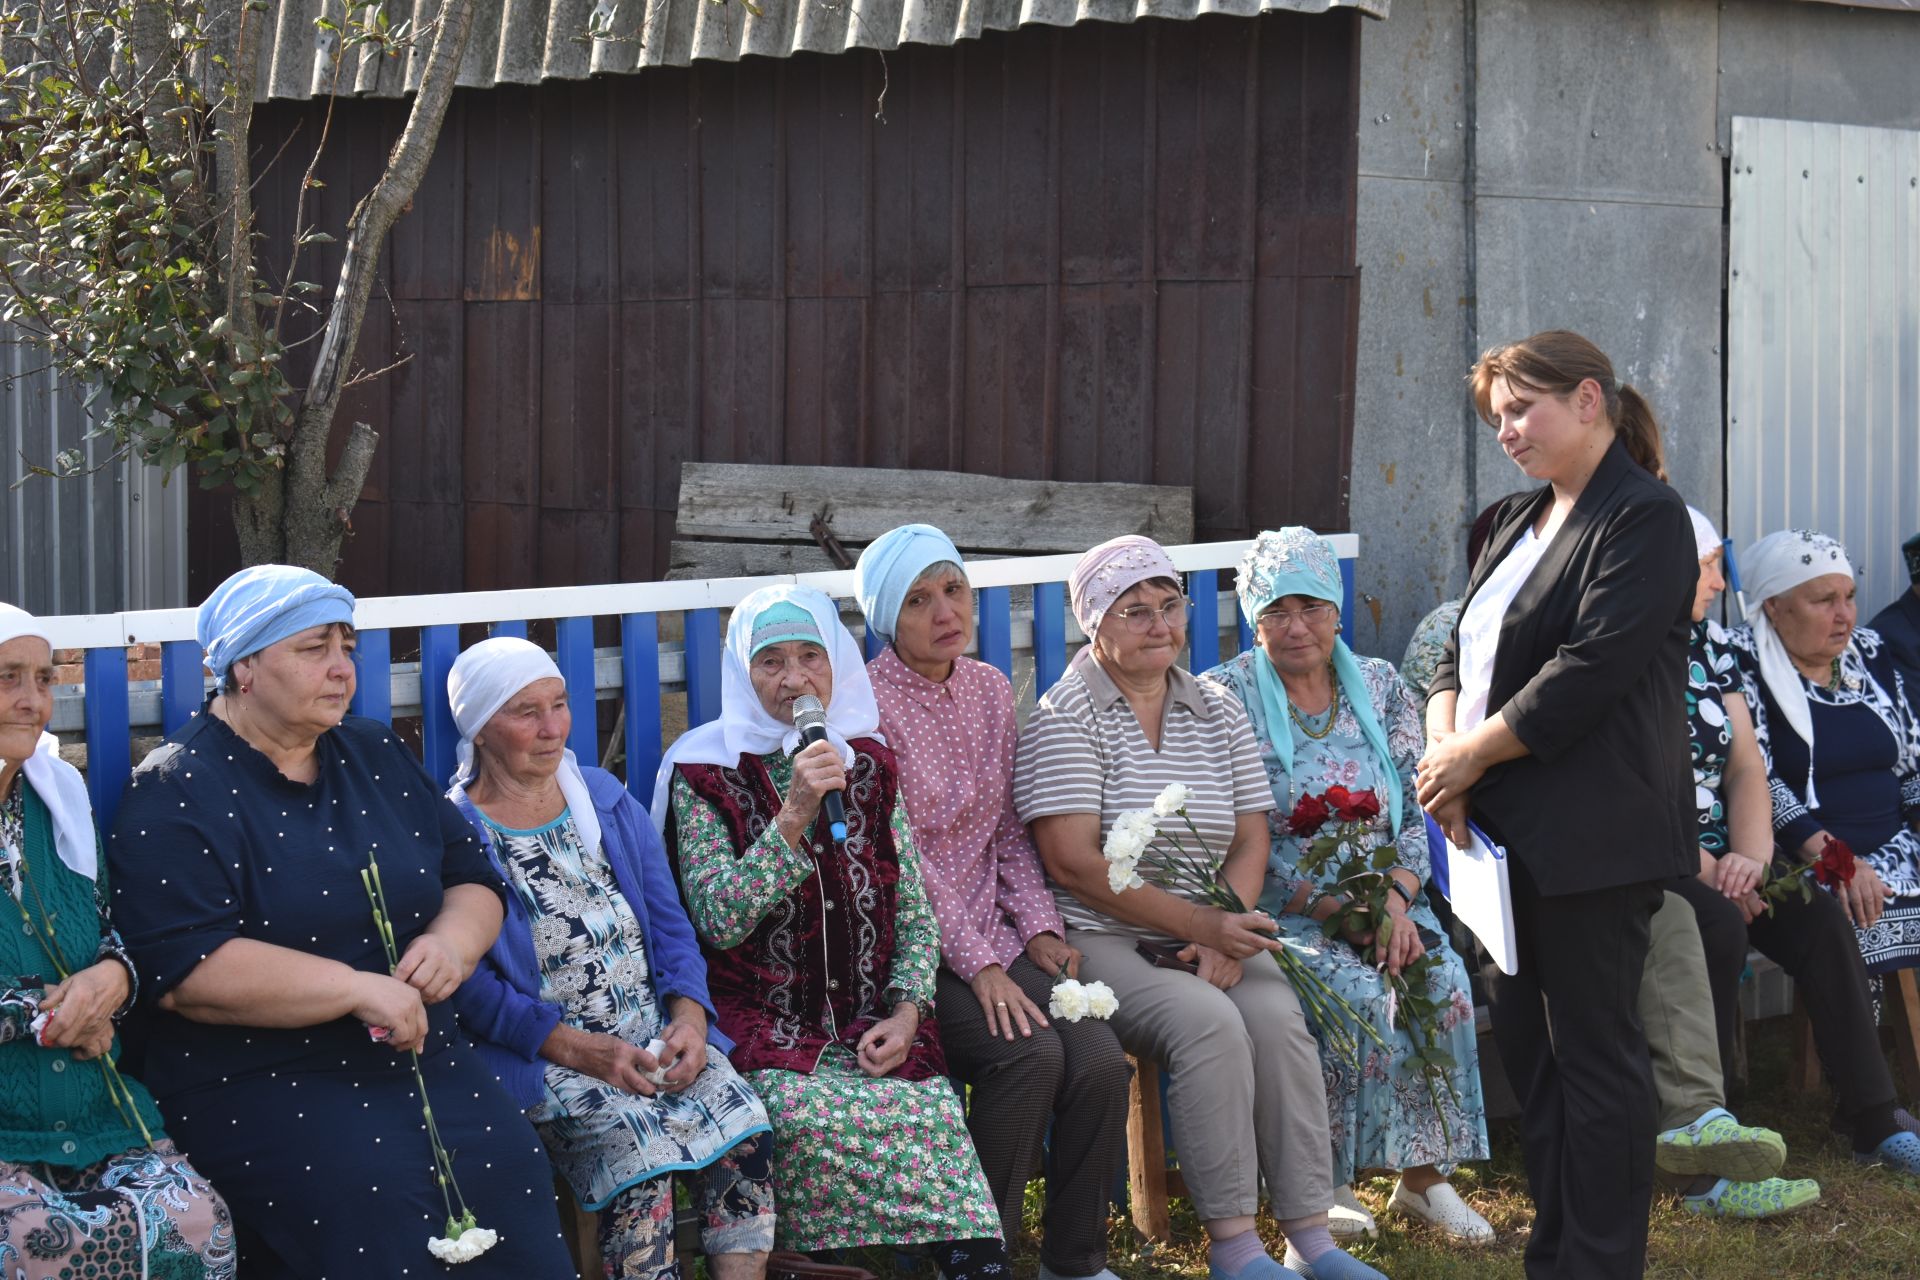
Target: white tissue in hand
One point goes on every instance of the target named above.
(658, 1048)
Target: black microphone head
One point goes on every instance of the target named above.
(809, 713)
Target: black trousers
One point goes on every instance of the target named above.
(1814, 942)
(1569, 1035)
(1072, 1074)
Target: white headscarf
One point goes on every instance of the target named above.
(1706, 538)
(744, 727)
(57, 783)
(484, 679)
(1776, 564)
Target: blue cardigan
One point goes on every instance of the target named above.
(500, 1003)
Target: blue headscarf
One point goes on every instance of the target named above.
(262, 606)
(890, 566)
(1295, 561)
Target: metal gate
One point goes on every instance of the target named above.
(1823, 365)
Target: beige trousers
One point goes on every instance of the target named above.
(1244, 1089)
(1676, 1008)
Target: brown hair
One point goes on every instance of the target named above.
(1555, 363)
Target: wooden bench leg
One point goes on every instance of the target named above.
(1901, 992)
(582, 1230)
(1147, 1154)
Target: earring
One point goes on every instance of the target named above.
(246, 688)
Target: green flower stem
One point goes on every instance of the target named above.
(442, 1159)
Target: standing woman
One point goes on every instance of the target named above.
(950, 722)
(1557, 722)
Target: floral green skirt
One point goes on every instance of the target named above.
(860, 1161)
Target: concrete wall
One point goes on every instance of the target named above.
(1532, 164)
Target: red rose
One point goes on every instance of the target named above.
(1308, 816)
(1834, 867)
(1336, 798)
(1359, 806)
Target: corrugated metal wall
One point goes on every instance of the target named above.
(1823, 367)
(113, 540)
(1099, 253)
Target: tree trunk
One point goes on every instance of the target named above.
(302, 515)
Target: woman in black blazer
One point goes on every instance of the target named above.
(1557, 720)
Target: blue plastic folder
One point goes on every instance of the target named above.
(1474, 880)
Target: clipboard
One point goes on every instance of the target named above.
(1475, 882)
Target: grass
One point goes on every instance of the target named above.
(1867, 1223)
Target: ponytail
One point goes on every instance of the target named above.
(1639, 430)
(1555, 363)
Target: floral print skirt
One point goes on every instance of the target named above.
(860, 1161)
(141, 1213)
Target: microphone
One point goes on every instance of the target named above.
(810, 718)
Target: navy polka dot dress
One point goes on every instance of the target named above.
(315, 1134)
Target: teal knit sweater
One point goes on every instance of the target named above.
(54, 1108)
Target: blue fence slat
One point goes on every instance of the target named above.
(1346, 601)
(1049, 634)
(518, 630)
(373, 675)
(183, 683)
(109, 746)
(1203, 623)
(575, 636)
(996, 627)
(640, 676)
(439, 646)
(703, 666)
(871, 644)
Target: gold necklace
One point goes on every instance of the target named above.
(1333, 713)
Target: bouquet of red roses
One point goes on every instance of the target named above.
(1833, 868)
(1333, 828)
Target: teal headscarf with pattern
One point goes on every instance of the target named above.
(1296, 561)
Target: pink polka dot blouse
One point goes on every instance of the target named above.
(955, 743)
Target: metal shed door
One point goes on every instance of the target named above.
(1823, 365)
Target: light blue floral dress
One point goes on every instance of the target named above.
(1381, 1115)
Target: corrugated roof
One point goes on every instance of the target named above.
(527, 41)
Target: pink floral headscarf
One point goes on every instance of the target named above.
(1111, 570)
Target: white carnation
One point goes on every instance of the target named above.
(465, 1247)
(1069, 1001)
(1101, 1002)
(1172, 800)
(1121, 876)
(1140, 821)
(1125, 843)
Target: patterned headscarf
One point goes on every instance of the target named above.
(890, 566)
(1296, 561)
(744, 727)
(1112, 569)
(1772, 566)
(484, 679)
(262, 606)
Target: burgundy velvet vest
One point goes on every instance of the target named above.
(813, 971)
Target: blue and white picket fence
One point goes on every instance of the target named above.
(645, 667)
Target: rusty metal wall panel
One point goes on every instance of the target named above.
(1105, 252)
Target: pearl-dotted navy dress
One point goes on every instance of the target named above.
(315, 1134)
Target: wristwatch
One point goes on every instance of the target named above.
(894, 997)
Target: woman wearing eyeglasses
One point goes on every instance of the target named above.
(1196, 993)
(1324, 718)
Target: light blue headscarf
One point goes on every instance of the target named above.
(1295, 561)
(262, 606)
(890, 566)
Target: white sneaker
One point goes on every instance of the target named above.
(1441, 1206)
(1349, 1219)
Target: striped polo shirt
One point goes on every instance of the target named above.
(1083, 751)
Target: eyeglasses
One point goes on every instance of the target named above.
(1141, 617)
(1313, 615)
